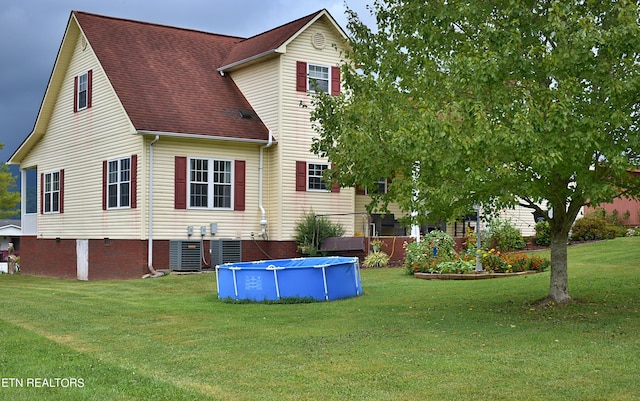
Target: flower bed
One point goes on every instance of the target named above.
(436, 256)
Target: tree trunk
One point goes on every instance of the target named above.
(559, 286)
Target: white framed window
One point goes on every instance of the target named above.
(119, 183)
(381, 188)
(51, 192)
(83, 91)
(210, 184)
(318, 78)
(315, 181)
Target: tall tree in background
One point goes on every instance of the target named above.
(9, 195)
(492, 103)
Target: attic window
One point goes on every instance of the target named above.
(82, 88)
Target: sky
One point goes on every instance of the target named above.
(31, 32)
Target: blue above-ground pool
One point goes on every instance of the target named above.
(320, 278)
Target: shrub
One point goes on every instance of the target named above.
(376, 259)
(502, 235)
(594, 226)
(445, 246)
(312, 230)
(539, 263)
(419, 256)
(543, 234)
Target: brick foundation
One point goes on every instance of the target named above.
(127, 259)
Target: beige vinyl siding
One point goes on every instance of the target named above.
(260, 84)
(361, 202)
(86, 138)
(294, 142)
(170, 223)
(521, 218)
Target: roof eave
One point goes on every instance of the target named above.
(49, 97)
(251, 59)
(205, 137)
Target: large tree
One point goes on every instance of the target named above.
(9, 195)
(493, 103)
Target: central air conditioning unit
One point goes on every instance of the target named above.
(185, 255)
(225, 251)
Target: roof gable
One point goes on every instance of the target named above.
(166, 79)
(271, 41)
(169, 80)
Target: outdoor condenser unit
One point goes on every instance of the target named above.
(185, 255)
(225, 251)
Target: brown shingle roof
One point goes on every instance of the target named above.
(266, 41)
(166, 77)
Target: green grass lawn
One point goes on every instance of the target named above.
(404, 339)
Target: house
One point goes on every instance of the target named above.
(159, 147)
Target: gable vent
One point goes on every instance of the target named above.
(318, 40)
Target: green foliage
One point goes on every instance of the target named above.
(502, 235)
(520, 262)
(376, 259)
(493, 260)
(498, 262)
(434, 248)
(489, 103)
(596, 226)
(442, 242)
(543, 236)
(458, 266)
(9, 195)
(311, 230)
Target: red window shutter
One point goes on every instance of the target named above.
(239, 185)
(104, 185)
(75, 94)
(335, 80)
(61, 200)
(89, 87)
(134, 181)
(42, 193)
(301, 76)
(359, 190)
(301, 176)
(180, 182)
(336, 186)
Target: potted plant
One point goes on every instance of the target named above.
(377, 244)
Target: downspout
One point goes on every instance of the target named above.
(152, 272)
(263, 219)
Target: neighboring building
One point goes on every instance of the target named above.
(149, 134)
(622, 206)
(10, 232)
